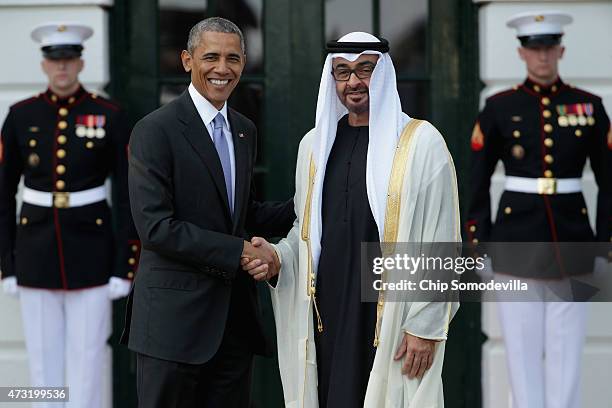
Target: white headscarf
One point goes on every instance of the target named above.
(385, 127)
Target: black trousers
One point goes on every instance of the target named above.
(222, 382)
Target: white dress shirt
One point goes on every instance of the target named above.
(208, 113)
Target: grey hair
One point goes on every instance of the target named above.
(213, 24)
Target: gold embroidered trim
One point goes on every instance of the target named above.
(310, 283)
(398, 170)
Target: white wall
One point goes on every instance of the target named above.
(21, 77)
(587, 64)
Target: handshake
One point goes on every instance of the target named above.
(259, 259)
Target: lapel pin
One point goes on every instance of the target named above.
(240, 134)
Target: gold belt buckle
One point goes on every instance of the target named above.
(547, 186)
(61, 199)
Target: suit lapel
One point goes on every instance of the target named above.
(199, 138)
(241, 160)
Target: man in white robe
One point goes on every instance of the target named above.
(412, 194)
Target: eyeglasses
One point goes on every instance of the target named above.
(362, 72)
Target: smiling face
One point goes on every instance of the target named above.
(215, 65)
(542, 62)
(354, 93)
(63, 74)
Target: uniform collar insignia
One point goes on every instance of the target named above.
(543, 89)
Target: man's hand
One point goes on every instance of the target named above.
(259, 259)
(419, 355)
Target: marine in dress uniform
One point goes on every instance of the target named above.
(66, 256)
(543, 133)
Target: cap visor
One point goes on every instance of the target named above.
(534, 41)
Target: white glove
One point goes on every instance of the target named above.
(9, 286)
(118, 288)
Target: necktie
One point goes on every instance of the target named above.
(224, 155)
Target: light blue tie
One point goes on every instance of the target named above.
(224, 155)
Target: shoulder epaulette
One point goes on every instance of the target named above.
(504, 92)
(104, 102)
(582, 91)
(25, 101)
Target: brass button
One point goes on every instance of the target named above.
(62, 124)
(134, 248)
(548, 128)
(536, 88)
(71, 99)
(583, 211)
(545, 101)
(60, 169)
(548, 142)
(32, 143)
(578, 132)
(546, 113)
(554, 88)
(63, 112)
(24, 220)
(89, 145)
(472, 228)
(475, 241)
(61, 153)
(99, 221)
(54, 98)
(508, 210)
(60, 184)
(130, 275)
(94, 96)
(548, 174)
(516, 133)
(549, 159)
(132, 261)
(61, 139)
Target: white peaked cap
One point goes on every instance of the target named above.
(539, 22)
(61, 33)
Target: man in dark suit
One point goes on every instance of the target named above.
(194, 314)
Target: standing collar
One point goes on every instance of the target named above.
(543, 89)
(66, 100)
(205, 109)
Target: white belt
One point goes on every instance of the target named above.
(546, 186)
(61, 199)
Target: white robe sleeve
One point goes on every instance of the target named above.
(430, 320)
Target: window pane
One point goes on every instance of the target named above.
(404, 24)
(344, 16)
(247, 14)
(415, 98)
(176, 17)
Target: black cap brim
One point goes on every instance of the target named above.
(540, 40)
(66, 51)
